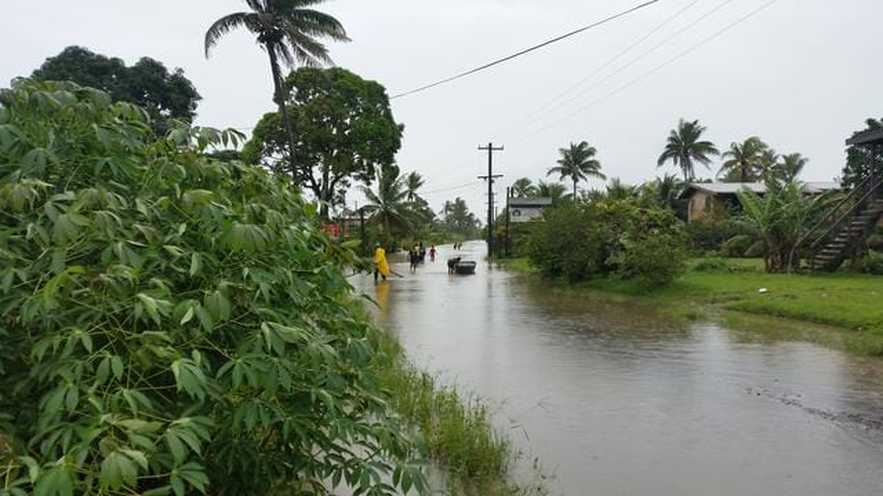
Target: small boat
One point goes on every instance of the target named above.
(465, 267)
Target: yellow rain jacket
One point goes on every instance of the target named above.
(380, 262)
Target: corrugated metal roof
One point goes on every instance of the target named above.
(530, 202)
(760, 188)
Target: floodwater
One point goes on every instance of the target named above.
(615, 400)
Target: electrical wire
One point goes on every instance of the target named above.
(527, 50)
(452, 188)
(553, 101)
(644, 54)
(665, 64)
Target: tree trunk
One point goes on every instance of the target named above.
(279, 97)
(574, 191)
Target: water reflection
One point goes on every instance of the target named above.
(616, 399)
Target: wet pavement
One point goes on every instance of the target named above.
(614, 399)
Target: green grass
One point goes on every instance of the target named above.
(846, 300)
(456, 428)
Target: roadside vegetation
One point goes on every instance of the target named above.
(179, 324)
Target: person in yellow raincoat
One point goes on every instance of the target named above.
(381, 266)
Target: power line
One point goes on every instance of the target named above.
(553, 102)
(527, 50)
(452, 188)
(644, 54)
(665, 64)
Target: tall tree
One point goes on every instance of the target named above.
(743, 161)
(458, 219)
(388, 205)
(577, 163)
(791, 166)
(524, 188)
(148, 83)
(346, 131)
(685, 147)
(413, 182)
(555, 191)
(289, 32)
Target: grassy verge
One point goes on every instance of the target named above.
(456, 428)
(853, 302)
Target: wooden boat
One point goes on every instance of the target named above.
(465, 267)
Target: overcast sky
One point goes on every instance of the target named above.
(802, 74)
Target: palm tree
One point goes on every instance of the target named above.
(289, 32)
(617, 190)
(388, 206)
(413, 182)
(768, 163)
(577, 163)
(686, 147)
(523, 188)
(791, 166)
(744, 160)
(555, 191)
(664, 191)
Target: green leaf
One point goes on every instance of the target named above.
(57, 481)
(116, 364)
(195, 264)
(118, 470)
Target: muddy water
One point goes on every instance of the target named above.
(615, 400)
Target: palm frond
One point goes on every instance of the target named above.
(226, 24)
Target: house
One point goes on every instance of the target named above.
(706, 197)
(527, 209)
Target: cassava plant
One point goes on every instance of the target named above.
(172, 324)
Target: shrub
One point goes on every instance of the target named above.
(873, 263)
(758, 249)
(737, 246)
(568, 243)
(601, 238)
(712, 264)
(171, 324)
(875, 242)
(710, 234)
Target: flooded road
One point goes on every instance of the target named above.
(615, 400)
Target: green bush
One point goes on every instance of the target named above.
(737, 246)
(712, 264)
(172, 324)
(875, 242)
(611, 237)
(710, 234)
(873, 263)
(758, 249)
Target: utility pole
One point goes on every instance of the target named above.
(508, 222)
(364, 239)
(490, 193)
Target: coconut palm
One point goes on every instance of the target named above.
(555, 191)
(577, 163)
(289, 32)
(685, 147)
(524, 188)
(744, 161)
(664, 191)
(413, 182)
(791, 166)
(617, 190)
(768, 163)
(388, 206)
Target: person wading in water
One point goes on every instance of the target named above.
(381, 266)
